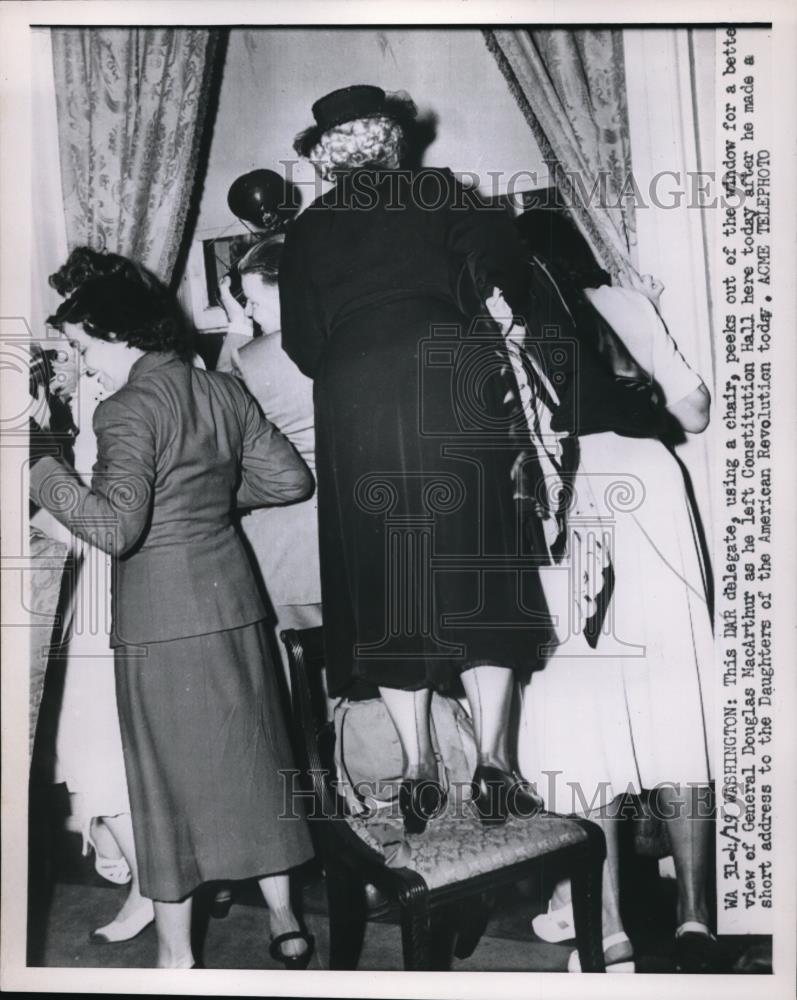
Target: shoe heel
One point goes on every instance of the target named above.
(292, 962)
(489, 798)
(420, 801)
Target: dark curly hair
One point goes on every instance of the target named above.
(117, 299)
(84, 263)
(118, 306)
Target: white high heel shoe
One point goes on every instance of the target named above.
(114, 870)
(626, 965)
(556, 925)
(125, 930)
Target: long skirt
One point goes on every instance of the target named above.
(422, 573)
(209, 767)
(637, 711)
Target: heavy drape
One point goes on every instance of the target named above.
(132, 109)
(570, 86)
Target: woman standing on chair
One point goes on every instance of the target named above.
(204, 742)
(407, 468)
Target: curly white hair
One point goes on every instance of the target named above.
(375, 141)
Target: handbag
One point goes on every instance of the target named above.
(368, 764)
(368, 755)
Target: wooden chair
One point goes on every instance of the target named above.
(440, 892)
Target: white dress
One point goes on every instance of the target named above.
(635, 711)
(88, 741)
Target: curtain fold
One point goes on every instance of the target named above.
(570, 86)
(132, 112)
(49, 228)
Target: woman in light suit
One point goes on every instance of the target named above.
(179, 449)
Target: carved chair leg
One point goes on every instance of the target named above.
(586, 880)
(415, 935)
(347, 916)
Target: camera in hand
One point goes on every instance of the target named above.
(41, 371)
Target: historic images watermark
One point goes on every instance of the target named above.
(666, 189)
(745, 553)
(379, 798)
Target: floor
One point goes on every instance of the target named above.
(73, 899)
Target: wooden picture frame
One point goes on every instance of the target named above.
(214, 253)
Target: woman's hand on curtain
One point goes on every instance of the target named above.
(646, 284)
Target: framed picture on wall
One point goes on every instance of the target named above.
(214, 253)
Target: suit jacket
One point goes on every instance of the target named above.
(284, 539)
(178, 450)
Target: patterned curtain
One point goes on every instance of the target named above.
(132, 108)
(48, 557)
(570, 86)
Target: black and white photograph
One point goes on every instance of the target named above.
(398, 498)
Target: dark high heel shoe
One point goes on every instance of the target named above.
(292, 962)
(498, 794)
(420, 799)
(695, 949)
